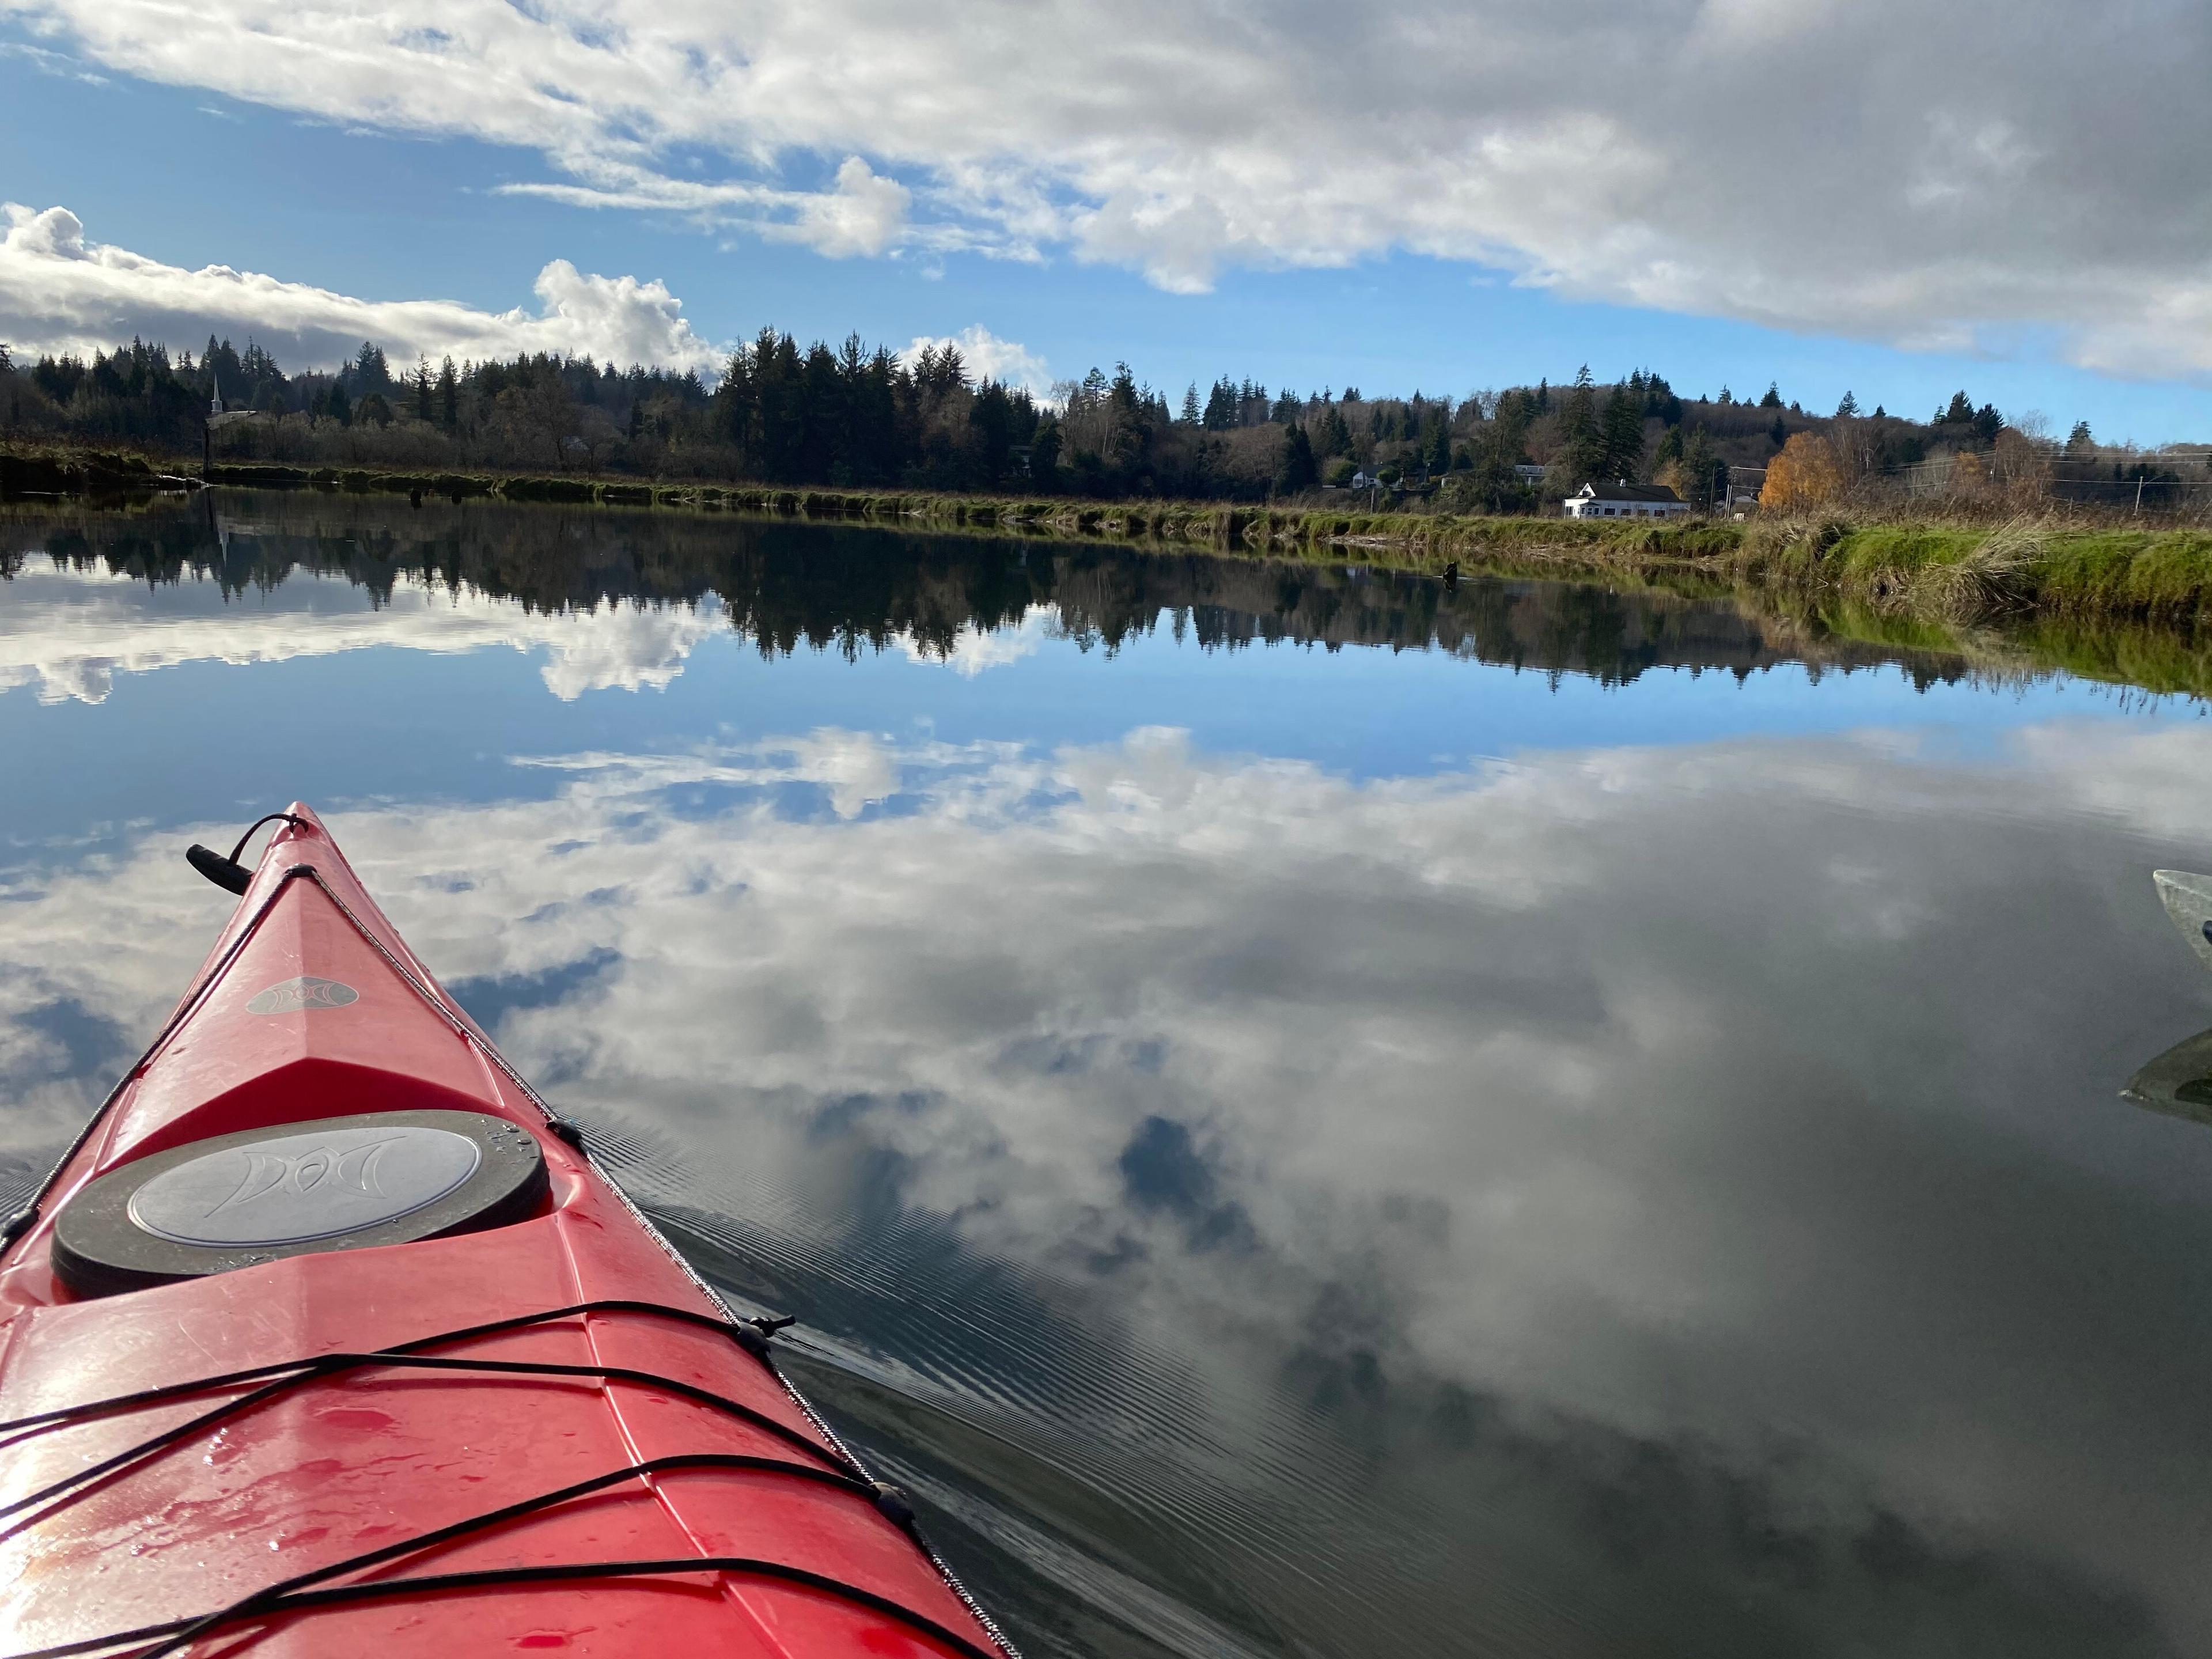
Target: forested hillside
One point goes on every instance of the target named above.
(856, 416)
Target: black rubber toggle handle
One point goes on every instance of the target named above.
(223, 872)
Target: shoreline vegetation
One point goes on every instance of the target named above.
(2090, 594)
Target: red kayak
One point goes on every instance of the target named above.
(328, 1337)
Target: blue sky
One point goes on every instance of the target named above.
(165, 161)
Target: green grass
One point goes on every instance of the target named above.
(1944, 571)
(2105, 600)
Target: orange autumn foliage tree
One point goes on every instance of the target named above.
(1804, 475)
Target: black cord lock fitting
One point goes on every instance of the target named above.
(893, 1504)
(753, 1334)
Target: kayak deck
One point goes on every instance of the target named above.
(633, 1470)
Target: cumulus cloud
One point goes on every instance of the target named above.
(62, 292)
(70, 632)
(988, 357)
(864, 214)
(1878, 168)
(978, 650)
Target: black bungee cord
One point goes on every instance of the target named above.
(302, 1591)
(291, 1374)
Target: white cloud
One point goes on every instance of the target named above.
(977, 650)
(71, 632)
(988, 357)
(862, 214)
(1741, 157)
(60, 292)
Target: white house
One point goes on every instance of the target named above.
(1623, 499)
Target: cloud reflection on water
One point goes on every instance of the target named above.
(71, 632)
(1667, 1200)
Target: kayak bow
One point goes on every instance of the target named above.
(328, 1337)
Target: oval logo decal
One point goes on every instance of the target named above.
(291, 1189)
(293, 996)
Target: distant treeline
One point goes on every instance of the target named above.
(856, 416)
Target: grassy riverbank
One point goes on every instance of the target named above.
(1946, 571)
(1880, 575)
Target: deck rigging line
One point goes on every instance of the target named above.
(301, 1591)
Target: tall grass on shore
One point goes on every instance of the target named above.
(1948, 567)
(1945, 568)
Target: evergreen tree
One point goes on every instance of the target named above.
(1435, 448)
(734, 403)
(370, 371)
(1849, 409)
(1191, 413)
(1294, 469)
(1703, 471)
(423, 410)
(1622, 438)
(1581, 439)
(1773, 397)
(1220, 412)
(1044, 453)
(449, 396)
(821, 418)
(991, 415)
(1332, 434)
(1130, 425)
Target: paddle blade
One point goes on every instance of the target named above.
(2188, 899)
(2177, 1082)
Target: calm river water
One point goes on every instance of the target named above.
(1302, 1112)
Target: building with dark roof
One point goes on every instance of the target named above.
(1622, 500)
